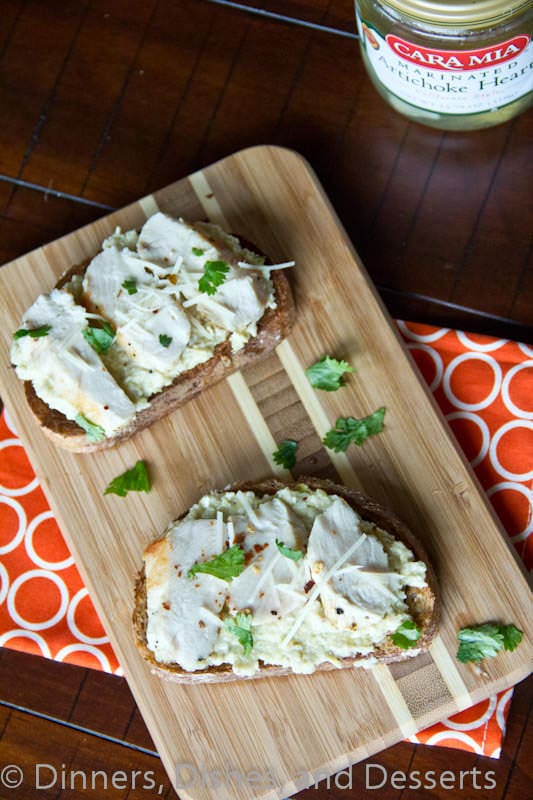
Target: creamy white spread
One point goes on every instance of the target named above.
(146, 287)
(346, 593)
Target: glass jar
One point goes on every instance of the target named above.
(450, 64)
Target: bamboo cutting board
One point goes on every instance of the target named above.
(275, 736)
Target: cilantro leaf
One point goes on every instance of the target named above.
(33, 333)
(94, 432)
(511, 637)
(197, 251)
(100, 338)
(214, 275)
(479, 642)
(241, 627)
(288, 552)
(164, 340)
(135, 479)
(226, 565)
(486, 641)
(327, 373)
(130, 285)
(407, 635)
(285, 455)
(349, 429)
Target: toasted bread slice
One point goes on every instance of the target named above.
(274, 326)
(422, 602)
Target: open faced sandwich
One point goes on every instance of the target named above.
(271, 578)
(154, 318)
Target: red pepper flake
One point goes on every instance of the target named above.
(308, 586)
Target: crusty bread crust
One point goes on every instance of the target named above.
(274, 326)
(424, 605)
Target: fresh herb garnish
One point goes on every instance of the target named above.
(33, 333)
(485, 641)
(226, 565)
(349, 429)
(197, 251)
(241, 627)
(407, 635)
(164, 340)
(288, 552)
(94, 432)
(130, 285)
(135, 479)
(285, 455)
(511, 637)
(100, 338)
(327, 373)
(214, 275)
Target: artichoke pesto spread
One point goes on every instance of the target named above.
(292, 579)
(149, 307)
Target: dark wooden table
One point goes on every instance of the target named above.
(101, 102)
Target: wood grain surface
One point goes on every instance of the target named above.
(82, 709)
(289, 729)
(197, 82)
(130, 96)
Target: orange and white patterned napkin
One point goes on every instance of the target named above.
(485, 389)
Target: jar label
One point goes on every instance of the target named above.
(450, 81)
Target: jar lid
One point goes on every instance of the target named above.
(457, 12)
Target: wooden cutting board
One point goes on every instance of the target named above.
(275, 736)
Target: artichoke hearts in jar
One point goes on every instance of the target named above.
(450, 64)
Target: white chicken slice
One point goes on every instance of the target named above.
(150, 325)
(362, 586)
(237, 304)
(196, 540)
(271, 585)
(183, 613)
(239, 301)
(65, 370)
(103, 278)
(246, 297)
(166, 241)
(355, 597)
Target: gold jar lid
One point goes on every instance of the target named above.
(460, 13)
